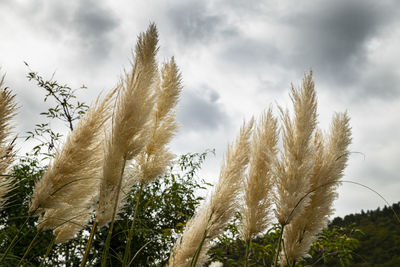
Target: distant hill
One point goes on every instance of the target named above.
(380, 243)
(377, 232)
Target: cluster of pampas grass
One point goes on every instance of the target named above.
(155, 157)
(7, 112)
(127, 130)
(153, 160)
(308, 173)
(300, 181)
(329, 161)
(210, 221)
(67, 185)
(130, 125)
(294, 170)
(258, 183)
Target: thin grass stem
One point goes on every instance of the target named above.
(109, 234)
(246, 254)
(131, 230)
(89, 244)
(197, 254)
(278, 246)
(14, 241)
(29, 248)
(137, 252)
(49, 248)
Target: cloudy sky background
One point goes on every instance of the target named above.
(237, 58)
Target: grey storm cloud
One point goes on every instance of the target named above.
(329, 36)
(200, 111)
(194, 22)
(93, 23)
(332, 36)
(383, 83)
(85, 24)
(248, 55)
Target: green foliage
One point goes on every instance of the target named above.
(230, 248)
(334, 247)
(380, 244)
(14, 215)
(369, 238)
(64, 107)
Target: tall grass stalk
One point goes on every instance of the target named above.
(258, 182)
(130, 124)
(110, 230)
(214, 215)
(294, 169)
(131, 229)
(29, 248)
(138, 251)
(8, 110)
(278, 246)
(74, 172)
(155, 157)
(49, 248)
(129, 131)
(89, 244)
(331, 155)
(14, 241)
(197, 253)
(246, 253)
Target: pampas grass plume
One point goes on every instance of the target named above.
(8, 110)
(213, 217)
(155, 157)
(295, 168)
(258, 184)
(130, 128)
(76, 168)
(330, 160)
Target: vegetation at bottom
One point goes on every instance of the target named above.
(370, 238)
(379, 243)
(364, 239)
(334, 246)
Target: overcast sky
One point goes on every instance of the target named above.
(237, 58)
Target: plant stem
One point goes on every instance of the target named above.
(48, 251)
(89, 244)
(29, 248)
(203, 238)
(14, 241)
(108, 240)
(278, 247)
(137, 252)
(67, 248)
(107, 244)
(196, 255)
(246, 255)
(130, 235)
